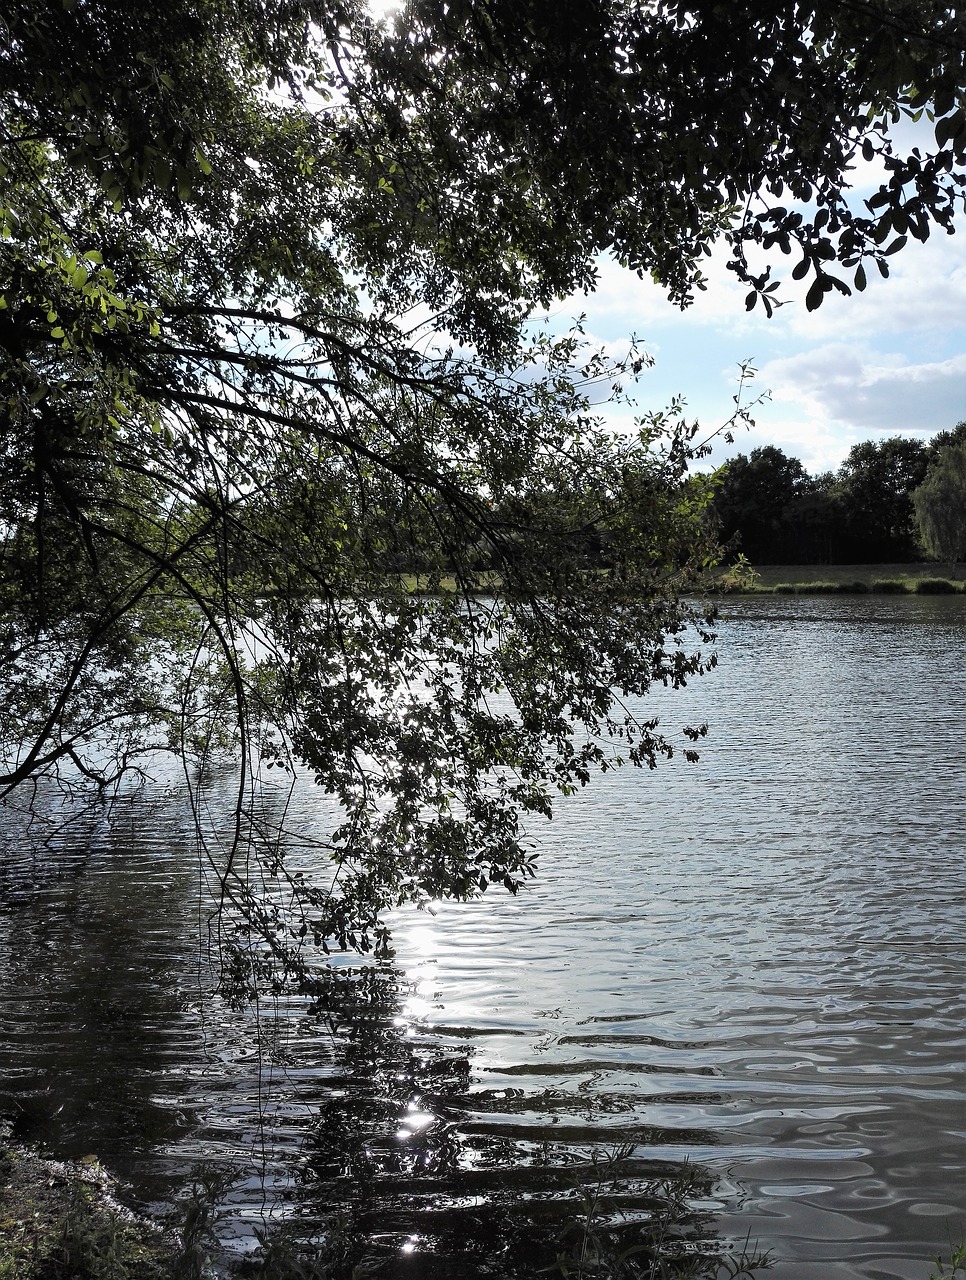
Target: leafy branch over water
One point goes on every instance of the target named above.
(271, 287)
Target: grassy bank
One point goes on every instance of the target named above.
(844, 579)
(61, 1221)
(791, 579)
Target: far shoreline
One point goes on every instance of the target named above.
(923, 578)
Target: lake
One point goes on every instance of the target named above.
(753, 964)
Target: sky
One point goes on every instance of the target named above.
(889, 361)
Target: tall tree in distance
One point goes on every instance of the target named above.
(940, 506)
(943, 439)
(751, 503)
(876, 482)
(270, 356)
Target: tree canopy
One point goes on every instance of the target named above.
(275, 402)
(876, 482)
(753, 499)
(769, 509)
(940, 505)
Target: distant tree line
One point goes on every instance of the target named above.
(877, 508)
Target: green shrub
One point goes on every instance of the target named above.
(784, 589)
(935, 587)
(890, 587)
(818, 588)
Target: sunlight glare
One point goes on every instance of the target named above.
(422, 940)
(384, 10)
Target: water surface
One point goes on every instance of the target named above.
(754, 964)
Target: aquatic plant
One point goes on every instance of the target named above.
(602, 1241)
(956, 1264)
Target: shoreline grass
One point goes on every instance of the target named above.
(848, 579)
(61, 1220)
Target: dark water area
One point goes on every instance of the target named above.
(751, 968)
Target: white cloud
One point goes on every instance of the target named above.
(866, 391)
(818, 444)
(890, 360)
(926, 289)
(623, 301)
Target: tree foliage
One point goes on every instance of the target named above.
(269, 362)
(753, 498)
(876, 483)
(769, 509)
(940, 505)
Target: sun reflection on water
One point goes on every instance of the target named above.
(414, 1120)
(421, 941)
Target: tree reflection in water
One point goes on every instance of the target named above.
(410, 1171)
(389, 1153)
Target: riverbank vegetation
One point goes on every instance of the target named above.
(837, 579)
(62, 1221)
